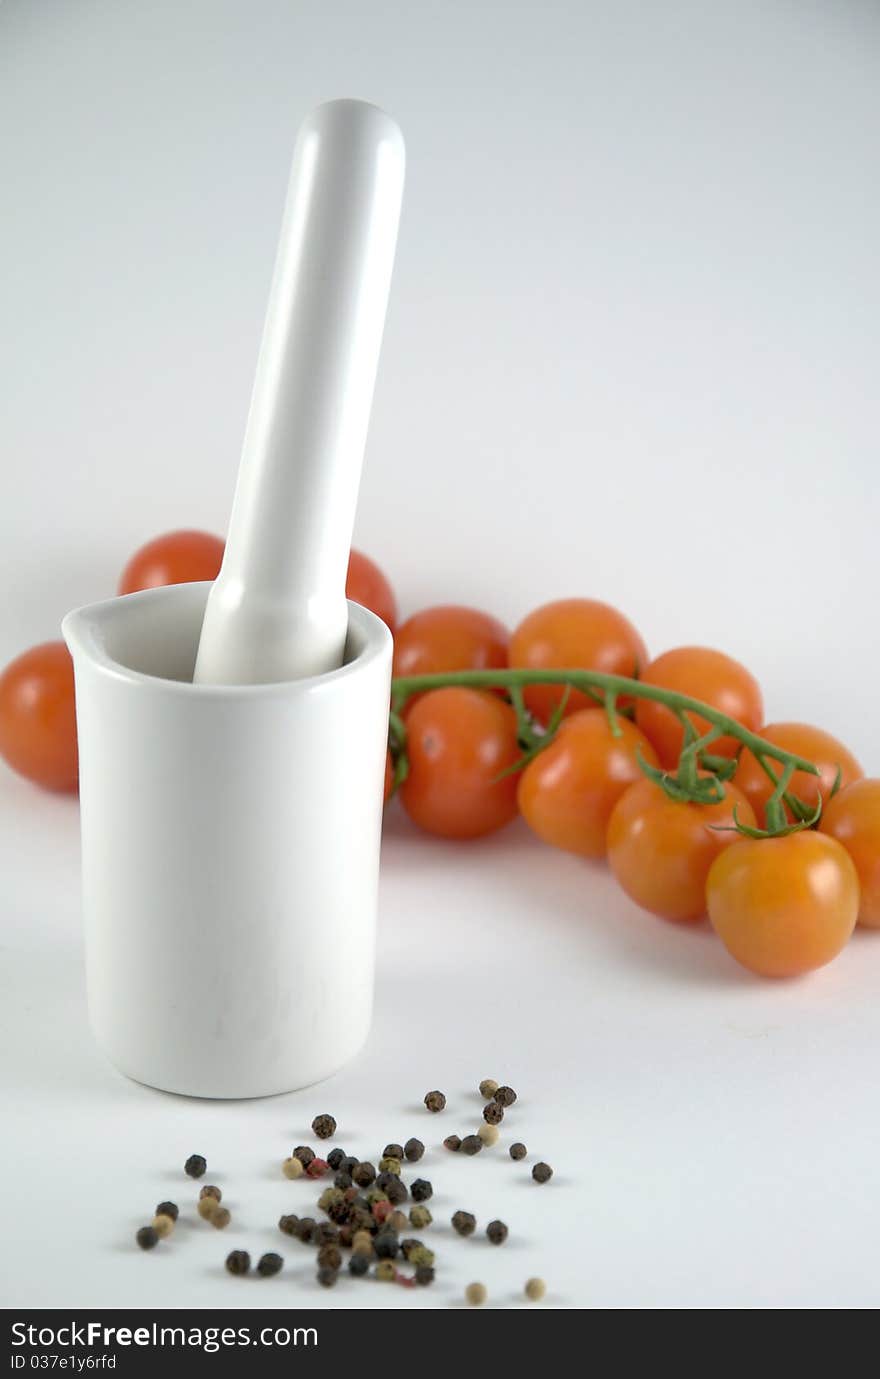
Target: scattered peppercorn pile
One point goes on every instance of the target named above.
(367, 1207)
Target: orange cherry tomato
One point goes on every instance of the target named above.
(367, 585)
(458, 740)
(811, 743)
(567, 792)
(704, 674)
(853, 818)
(661, 849)
(783, 906)
(178, 557)
(38, 718)
(573, 634)
(449, 637)
(389, 778)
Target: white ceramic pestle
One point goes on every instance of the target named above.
(277, 610)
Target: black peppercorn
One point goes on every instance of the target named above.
(334, 1159)
(195, 1166)
(327, 1276)
(392, 1151)
(269, 1264)
(394, 1189)
(288, 1225)
(471, 1144)
(452, 1142)
(346, 1235)
(358, 1265)
(325, 1233)
(497, 1232)
(304, 1154)
(147, 1237)
(505, 1096)
(542, 1173)
(363, 1174)
(329, 1256)
(518, 1150)
(340, 1212)
(424, 1275)
(324, 1127)
(168, 1209)
(435, 1101)
(493, 1113)
(386, 1244)
(305, 1229)
(238, 1262)
(342, 1180)
(464, 1223)
(350, 1163)
(421, 1190)
(413, 1150)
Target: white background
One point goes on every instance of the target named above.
(631, 353)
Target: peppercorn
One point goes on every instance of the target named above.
(505, 1096)
(518, 1150)
(292, 1168)
(363, 1174)
(334, 1159)
(358, 1265)
(413, 1150)
(288, 1225)
(386, 1244)
(489, 1135)
(390, 1165)
(471, 1144)
(381, 1212)
(168, 1209)
(497, 1232)
(424, 1275)
(488, 1088)
(421, 1190)
(195, 1166)
(329, 1256)
(362, 1220)
(535, 1289)
(304, 1154)
(542, 1173)
(435, 1101)
(362, 1242)
(327, 1276)
(453, 1143)
(376, 1195)
(493, 1113)
(162, 1225)
(342, 1180)
(385, 1271)
(209, 1190)
(476, 1294)
(206, 1206)
(324, 1127)
(329, 1196)
(238, 1262)
(407, 1247)
(325, 1233)
(317, 1168)
(397, 1221)
(340, 1212)
(346, 1235)
(305, 1229)
(220, 1218)
(269, 1264)
(464, 1223)
(420, 1217)
(392, 1151)
(421, 1255)
(394, 1189)
(350, 1163)
(147, 1237)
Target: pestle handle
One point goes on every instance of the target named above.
(277, 610)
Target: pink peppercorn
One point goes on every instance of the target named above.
(382, 1210)
(317, 1168)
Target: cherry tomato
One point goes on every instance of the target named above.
(449, 637)
(853, 818)
(567, 792)
(783, 906)
(389, 778)
(458, 740)
(661, 849)
(178, 557)
(37, 716)
(573, 634)
(704, 674)
(367, 585)
(813, 744)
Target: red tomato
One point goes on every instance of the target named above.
(783, 906)
(853, 818)
(178, 557)
(567, 792)
(811, 743)
(368, 586)
(37, 716)
(449, 637)
(574, 634)
(661, 849)
(704, 674)
(458, 741)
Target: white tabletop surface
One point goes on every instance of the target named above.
(632, 354)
